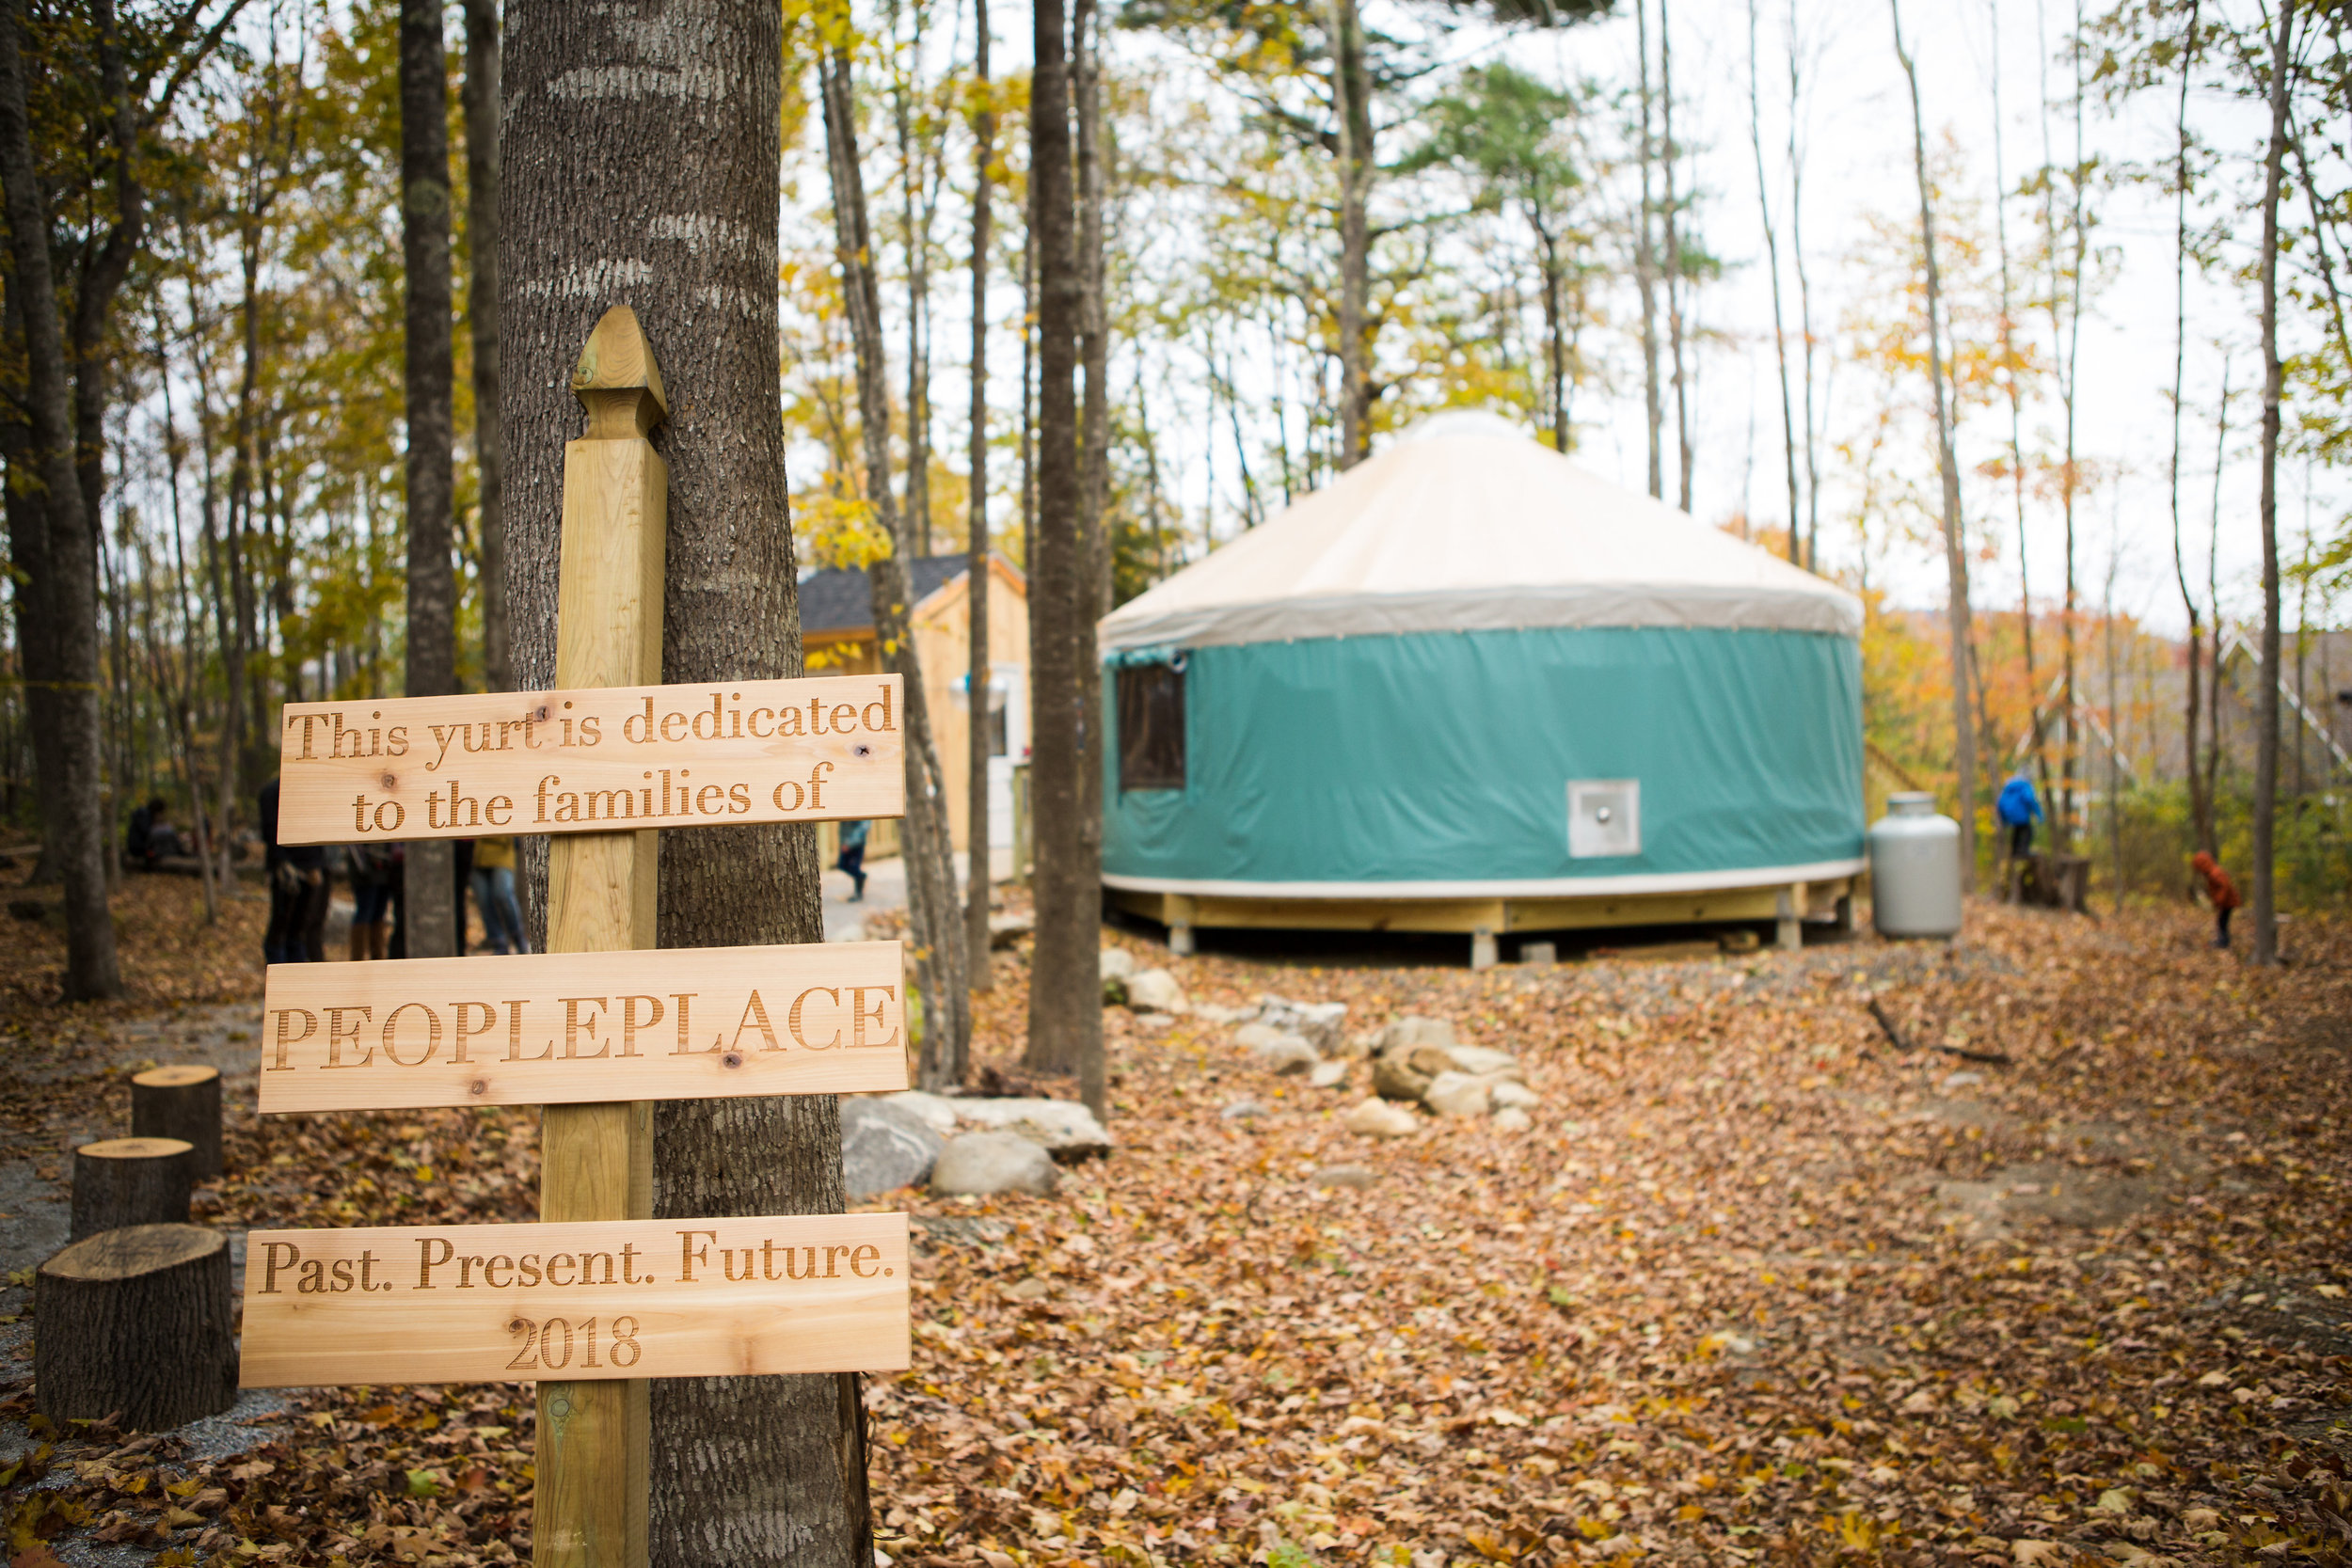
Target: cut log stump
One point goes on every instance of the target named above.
(135, 1323)
(125, 1181)
(181, 1102)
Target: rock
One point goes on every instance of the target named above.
(1241, 1108)
(1539, 953)
(1287, 1055)
(1509, 1093)
(1405, 1074)
(1319, 1022)
(885, 1145)
(1063, 1128)
(1512, 1120)
(1212, 1013)
(1118, 963)
(936, 1109)
(1358, 1176)
(1478, 1059)
(1031, 1289)
(1155, 990)
(1323, 1075)
(1381, 1118)
(1361, 1043)
(1257, 1035)
(1006, 930)
(986, 1162)
(1458, 1094)
(1406, 1033)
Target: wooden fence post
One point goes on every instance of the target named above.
(597, 1160)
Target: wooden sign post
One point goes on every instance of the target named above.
(596, 1159)
(598, 1297)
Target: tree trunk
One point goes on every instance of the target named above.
(2199, 806)
(915, 208)
(481, 305)
(1065, 980)
(668, 201)
(432, 668)
(1351, 104)
(137, 1325)
(181, 1102)
(1771, 260)
(934, 918)
(1094, 481)
(1677, 285)
(1955, 548)
(980, 674)
(126, 1182)
(64, 595)
(1805, 311)
(2266, 696)
(1646, 268)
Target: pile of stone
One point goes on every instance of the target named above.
(1417, 1064)
(1153, 993)
(959, 1145)
(1296, 1039)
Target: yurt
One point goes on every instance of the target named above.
(1473, 686)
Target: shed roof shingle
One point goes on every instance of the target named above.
(837, 599)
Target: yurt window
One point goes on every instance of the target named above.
(1150, 727)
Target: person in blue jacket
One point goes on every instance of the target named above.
(2018, 809)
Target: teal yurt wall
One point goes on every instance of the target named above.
(1405, 686)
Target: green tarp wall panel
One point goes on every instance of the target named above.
(1446, 756)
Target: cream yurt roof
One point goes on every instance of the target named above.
(1468, 524)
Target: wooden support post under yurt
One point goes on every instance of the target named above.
(1474, 687)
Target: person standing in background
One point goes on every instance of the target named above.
(2017, 809)
(494, 894)
(2220, 892)
(852, 860)
(370, 868)
(297, 881)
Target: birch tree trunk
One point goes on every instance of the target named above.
(639, 168)
(2266, 697)
(481, 305)
(934, 918)
(1955, 550)
(62, 571)
(428, 910)
(980, 673)
(1065, 984)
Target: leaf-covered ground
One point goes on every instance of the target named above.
(1757, 1287)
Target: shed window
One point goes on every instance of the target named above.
(1150, 727)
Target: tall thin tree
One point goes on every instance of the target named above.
(2267, 698)
(1771, 261)
(980, 675)
(1065, 984)
(482, 310)
(2200, 807)
(429, 911)
(1947, 463)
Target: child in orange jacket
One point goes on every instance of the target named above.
(2220, 893)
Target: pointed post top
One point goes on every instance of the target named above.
(618, 380)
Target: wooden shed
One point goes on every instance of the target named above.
(837, 632)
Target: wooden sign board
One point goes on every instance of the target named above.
(577, 1028)
(598, 1299)
(599, 760)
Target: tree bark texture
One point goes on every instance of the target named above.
(181, 1102)
(60, 574)
(135, 1323)
(482, 98)
(1350, 104)
(2266, 697)
(1065, 984)
(1646, 266)
(1955, 547)
(978, 695)
(1094, 445)
(432, 653)
(639, 168)
(126, 1182)
(934, 918)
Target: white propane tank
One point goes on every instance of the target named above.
(1914, 869)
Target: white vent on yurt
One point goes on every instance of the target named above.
(1604, 817)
